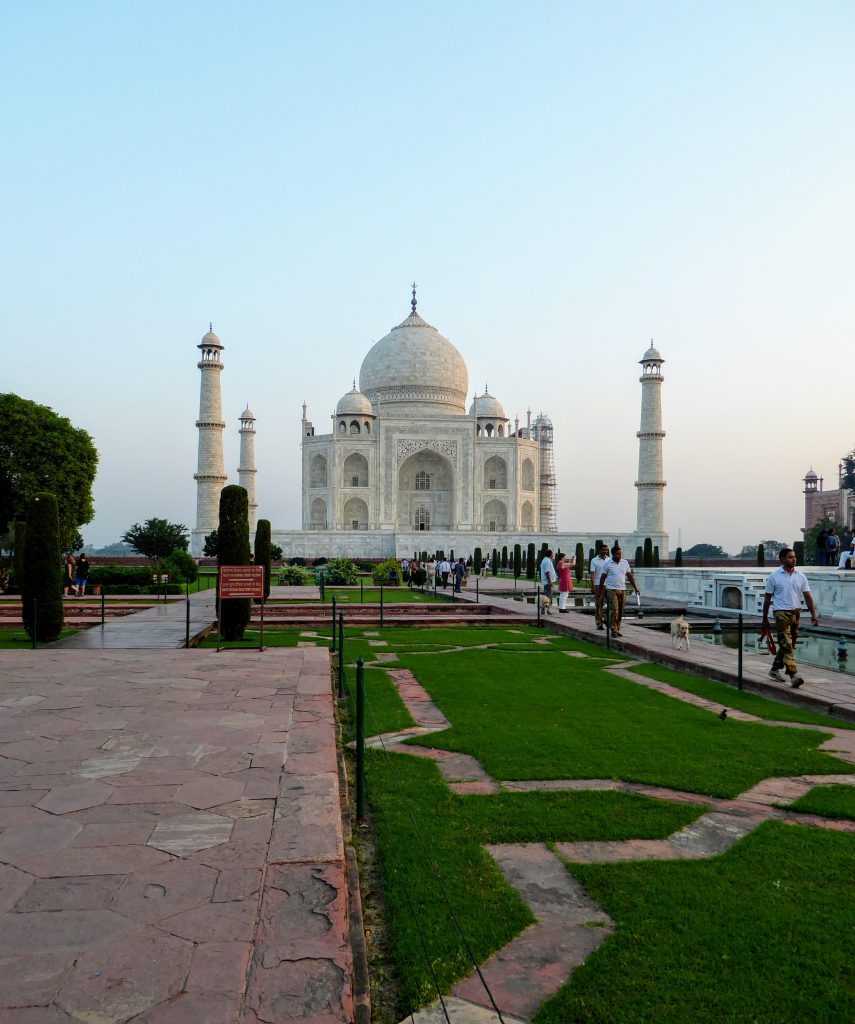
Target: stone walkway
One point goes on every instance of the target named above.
(569, 925)
(163, 626)
(171, 846)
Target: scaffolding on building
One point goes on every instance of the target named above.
(541, 431)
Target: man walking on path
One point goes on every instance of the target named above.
(832, 547)
(548, 574)
(613, 577)
(785, 588)
(597, 563)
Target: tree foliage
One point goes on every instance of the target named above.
(517, 561)
(41, 452)
(579, 567)
(275, 553)
(678, 559)
(340, 572)
(233, 549)
(180, 567)
(849, 471)
(156, 538)
(262, 551)
(770, 547)
(209, 548)
(706, 551)
(648, 553)
(529, 562)
(476, 561)
(41, 587)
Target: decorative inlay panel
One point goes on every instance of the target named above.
(446, 448)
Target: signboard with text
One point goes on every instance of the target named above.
(241, 581)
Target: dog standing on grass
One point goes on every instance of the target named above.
(680, 633)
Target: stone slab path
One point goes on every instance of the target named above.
(569, 925)
(171, 846)
(162, 626)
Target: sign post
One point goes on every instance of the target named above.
(241, 581)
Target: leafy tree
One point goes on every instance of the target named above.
(180, 566)
(18, 554)
(849, 471)
(119, 549)
(42, 452)
(41, 587)
(340, 572)
(233, 549)
(706, 551)
(770, 547)
(275, 553)
(209, 549)
(157, 538)
(799, 548)
(295, 576)
(262, 551)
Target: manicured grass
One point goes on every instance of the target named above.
(17, 639)
(547, 716)
(763, 935)
(384, 709)
(273, 637)
(830, 801)
(391, 595)
(454, 829)
(741, 700)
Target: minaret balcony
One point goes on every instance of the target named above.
(220, 424)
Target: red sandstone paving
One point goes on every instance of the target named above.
(136, 827)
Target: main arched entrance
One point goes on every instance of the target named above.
(426, 492)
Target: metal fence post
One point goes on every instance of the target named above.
(187, 622)
(360, 740)
(361, 591)
(608, 617)
(332, 649)
(537, 601)
(381, 605)
(477, 581)
(341, 654)
(102, 605)
(35, 620)
(739, 659)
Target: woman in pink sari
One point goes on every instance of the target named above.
(565, 579)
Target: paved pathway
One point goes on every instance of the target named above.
(171, 844)
(569, 925)
(163, 626)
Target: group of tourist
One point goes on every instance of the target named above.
(560, 571)
(609, 575)
(830, 551)
(75, 575)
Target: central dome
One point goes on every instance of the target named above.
(415, 370)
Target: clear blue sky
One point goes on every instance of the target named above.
(564, 181)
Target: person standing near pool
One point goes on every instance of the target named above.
(785, 588)
(613, 577)
(596, 568)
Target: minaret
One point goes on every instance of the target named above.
(246, 469)
(210, 475)
(542, 432)
(650, 519)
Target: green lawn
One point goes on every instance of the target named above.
(547, 716)
(453, 830)
(830, 801)
(273, 637)
(739, 699)
(391, 595)
(15, 639)
(760, 935)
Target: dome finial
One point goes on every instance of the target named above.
(210, 326)
(414, 300)
(354, 383)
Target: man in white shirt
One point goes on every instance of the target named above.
(597, 563)
(444, 570)
(548, 574)
(785, 588)
(613, 577)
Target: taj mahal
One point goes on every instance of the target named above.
(405, 467)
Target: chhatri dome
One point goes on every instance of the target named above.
(354, 403)
(488, 407)
(415, 370)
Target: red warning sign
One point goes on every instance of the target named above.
(241, 581)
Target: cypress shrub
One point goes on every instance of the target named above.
(597, 545)
(678, 559)
(761, 554)
(233, 549)
(494, 563)
(440, 554)
(579, 567)
(42, 569)
(648, 553)
(529, 562)
(476, 561)
(799, 548)
(504, 556)
(451, 555)
(655, 556)
(639, 557)
(517, 561)
(522, 558)
(423, 556)
(262, 551)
